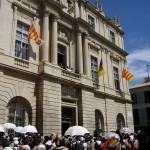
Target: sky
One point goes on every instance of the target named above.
(134, 18)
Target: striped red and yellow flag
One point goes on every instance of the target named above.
(127, 75)
(39, 41)
(33, 33)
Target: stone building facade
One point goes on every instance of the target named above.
(140, 95)
(55, 86)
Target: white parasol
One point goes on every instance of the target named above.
(1, 128)
(18, 129)
(28, 129)
(76, 130)
(125, 130)
(9, 125)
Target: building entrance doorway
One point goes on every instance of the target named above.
(65, 126)
(68, 118)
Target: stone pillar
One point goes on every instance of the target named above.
(14, 27)
(86, 56)
(45, 37)
(54, 40)
(79, 52)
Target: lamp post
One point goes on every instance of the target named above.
(147, 70)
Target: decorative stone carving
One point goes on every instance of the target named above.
(70, 6)
(27, 4)
(63, 34)
(64, 2)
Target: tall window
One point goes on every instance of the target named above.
(19, 112)
(22, 42)
(147, 96)
(120, 121)
(116, 78)
(134, 98)
(136, 116)
(61, 55)
(112, 37)
(91, 21)
(148, 115)
(99, 120)
(94, 70)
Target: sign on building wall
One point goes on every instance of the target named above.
(69, 91)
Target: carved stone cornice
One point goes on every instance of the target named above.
(49, 11)
(27, 5)
(57, 3)
(79, 32)
(56, 17)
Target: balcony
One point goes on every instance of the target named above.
(70, 73)
(21, 62)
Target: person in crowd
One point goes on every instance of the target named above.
(143, 137)
(112, 143)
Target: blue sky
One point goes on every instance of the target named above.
(134, 18)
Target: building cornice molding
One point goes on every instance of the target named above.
(17, 70)
(27, 7)
(81, 85)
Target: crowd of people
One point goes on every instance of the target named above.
(115, 140)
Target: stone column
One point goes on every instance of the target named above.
(86, 56)
(79, 52)
(14, 27)
(54, 40)
(45, 37)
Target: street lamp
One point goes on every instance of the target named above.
(147, 70)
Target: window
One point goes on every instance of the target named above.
(116, 78)
(19, 111)
(136, 116)
(112, 37)
(91, 21)
(148, 115)
(134, 98)
(99, 120)
(147, 96)
(22, 41)
(61, 55)
(94, 70)
(120, 121)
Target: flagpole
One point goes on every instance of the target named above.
(122, 68)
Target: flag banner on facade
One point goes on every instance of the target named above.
(101, 70)
(34, 35)
(39, 41)
(127, 75)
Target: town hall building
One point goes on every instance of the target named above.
(56, 85)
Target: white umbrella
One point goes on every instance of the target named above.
(125, 130)
(9, 126)
(76, 130)
(28, 129)
(18, 129)
(1, 128)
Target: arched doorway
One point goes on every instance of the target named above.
(99, 120)
(120, 121)
(19, 111)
